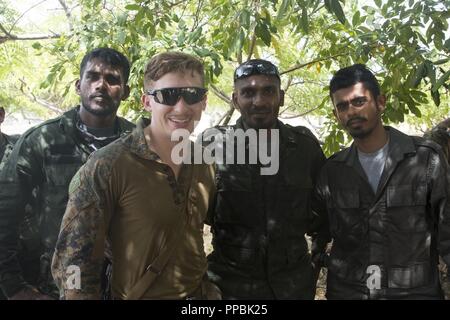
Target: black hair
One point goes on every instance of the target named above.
(109, 56)
(349, 76)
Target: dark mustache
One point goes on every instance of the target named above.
(356, 119)
(104, 96)
(259, 110)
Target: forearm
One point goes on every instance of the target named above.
(79, 255)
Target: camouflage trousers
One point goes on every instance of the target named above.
(445, 281)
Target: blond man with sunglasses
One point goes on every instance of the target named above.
(132, 200)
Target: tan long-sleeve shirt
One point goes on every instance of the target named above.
(126, 197)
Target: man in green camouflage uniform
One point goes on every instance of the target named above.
(6, 145)
(6, 142)
(441, 135)
(136, 199)
(36, 176)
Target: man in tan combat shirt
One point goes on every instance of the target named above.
(132, 198)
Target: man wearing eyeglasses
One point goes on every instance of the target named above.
(136, 200)
(388, 201)
(259, 221)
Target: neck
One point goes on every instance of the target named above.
(159, 143)
(373, 142)
(94, 121)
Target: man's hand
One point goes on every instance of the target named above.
(30, 293)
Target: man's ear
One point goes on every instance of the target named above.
(2, 115)
(381, 102)
(77, 87)
(281, 98)
(205, 102)
(235, 104)
(126, 92)
(145, 99)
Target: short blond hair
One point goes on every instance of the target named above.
(168, 62)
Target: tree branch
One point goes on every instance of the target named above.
(67, 12)
(29, 94)
(299, 115)
(252, 45)
(25, 12)
(197, 13)
(302, 65)
(220, 94)
(227, 116)
(28, 37)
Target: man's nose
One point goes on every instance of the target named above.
(258, 100)
(100, 84)
(181, 105)
(352, 110)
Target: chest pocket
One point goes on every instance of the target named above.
(345, 199)
(61, 168)
(233, 179)
(346, 214)
(406, 207)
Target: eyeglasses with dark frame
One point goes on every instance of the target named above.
(170, 96)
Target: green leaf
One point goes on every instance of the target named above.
(133, 7)
(61, 74)
(430, 71)
(36, 45)
(262, 31)
(337, 10)
(355, 19)
(194, 36)
(436, 97)
(181, 38)
(447, 45)
(441, 81)
(283, 9)
(378, 3)
(245, 18)
(419, 74)
(304, 20)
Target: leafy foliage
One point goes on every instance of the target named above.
(406, 44)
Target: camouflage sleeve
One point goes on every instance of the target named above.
(80, 249)
(21, 172)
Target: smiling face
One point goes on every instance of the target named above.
(357, 110)
(101, 88)
(258, 98)
(166, 119)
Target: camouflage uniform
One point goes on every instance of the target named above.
(125, 198)
(6, 146)
(33, 197)
(441, 135)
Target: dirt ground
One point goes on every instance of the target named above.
(321, 283)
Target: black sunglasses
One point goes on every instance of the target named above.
(170, 96)
(256, 67)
